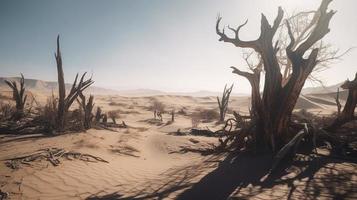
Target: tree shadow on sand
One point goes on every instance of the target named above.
(245, 176)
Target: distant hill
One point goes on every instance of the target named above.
(321, 89)
(46, 87)
(149, 92)
(321, 98)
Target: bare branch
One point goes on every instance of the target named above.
(236, 40)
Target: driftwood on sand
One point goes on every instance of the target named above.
(52, 155)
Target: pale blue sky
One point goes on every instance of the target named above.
(156, 44)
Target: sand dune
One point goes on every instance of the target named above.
(146, 160)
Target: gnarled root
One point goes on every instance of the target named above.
(51, 155)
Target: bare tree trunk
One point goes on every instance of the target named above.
(65, 102)
(348, 111)
(338, 103)
(274, 110)
(172, 115)
(61, 89)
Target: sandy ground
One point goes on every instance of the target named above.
(145, 161)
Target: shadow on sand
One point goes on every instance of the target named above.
(245, 176)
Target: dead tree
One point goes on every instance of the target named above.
(338, 103)
(159, 115)
(105, 118)
(65, 101)
(87, 108)
(254, 80)
(18, 95)
(348, 111)
(223, 102)
(98, 115)
(172, 115)
(273, 112)
(301, 25)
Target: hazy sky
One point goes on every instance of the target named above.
(156, 44)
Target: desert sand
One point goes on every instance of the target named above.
(147, 160)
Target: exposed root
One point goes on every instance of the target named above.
(290, 147)
(52, 155)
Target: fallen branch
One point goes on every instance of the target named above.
(292, 145)
(51, 155)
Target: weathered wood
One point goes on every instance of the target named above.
(65, 102)
(338, 103)
(348, 111)
(52, 155)
(290, 147)
(273, 112)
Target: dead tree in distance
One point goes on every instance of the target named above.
(338, 103)
(18, 95)
(172, 115)
(275, 106)
(65, 102)
(98, 115)
(223, 102)
(348, 111)
(87, 107)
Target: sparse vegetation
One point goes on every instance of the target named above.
(19, 96)
(271, 118)
(277, 144)
(223, 102)
(113, 103)
(113, 115)
(48, 114)
(204, 116)
(65, 101)
(98, 115)
(87, 108)
(158, 108)
(348, 111)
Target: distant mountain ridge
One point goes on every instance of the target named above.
(35, 85)
(321, 89)
(48, 87)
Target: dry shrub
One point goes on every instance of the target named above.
(48, 117)
(48, 113)
(125, 112)
(206, 115)
(182, 112)
(158, 106)
(113, 103)
(113, 115)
